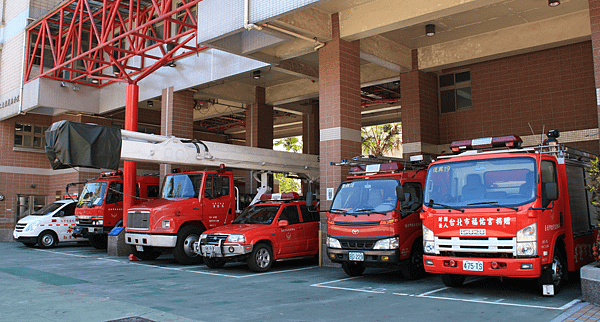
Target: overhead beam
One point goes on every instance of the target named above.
(567, 29)
(380, 16)
(386, 53)
(309, 22)
(296, 68)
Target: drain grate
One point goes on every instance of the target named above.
(132, 319)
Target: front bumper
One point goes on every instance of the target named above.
(88, 231)
(150, 240)
(371, 257)
(223, 250)
(508, 267)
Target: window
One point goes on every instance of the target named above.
(415, 197)
(548, 176)
(216, 186)
(455, 91)
(30, 136)
(307, 215)
(290, 213)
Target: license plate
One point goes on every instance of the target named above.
(472, 232)
(139, 248)
(353, 256)
(476, 266)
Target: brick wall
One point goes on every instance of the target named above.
(419, 107)
(551, 89)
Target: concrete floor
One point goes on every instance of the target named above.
(80, 283)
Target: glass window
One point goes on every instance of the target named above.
(414, 192)
(364, 196)
(548, 169)
(30, 136)
(455, 91)
(115, 192)
(259, 214)
(92, 194)
(290, 213)
(182, 186)
(307, 215)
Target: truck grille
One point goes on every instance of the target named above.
(488, 247)
(357, 224)
(138, 220)
(363, 244)
(85, 222)
(214, 238)
(19, 227)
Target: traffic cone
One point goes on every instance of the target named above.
(133, 258)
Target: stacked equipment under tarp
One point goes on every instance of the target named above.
(72, 144)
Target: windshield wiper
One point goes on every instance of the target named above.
(492, 203)
(370, 210)
(428, 204)
(341, 212)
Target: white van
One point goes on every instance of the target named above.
(48, 226)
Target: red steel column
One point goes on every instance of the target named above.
(130, 167)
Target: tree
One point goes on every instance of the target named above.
(382, 139)
(292, 144)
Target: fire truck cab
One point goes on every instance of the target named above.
(516, 212)
(374, 217)
(279, 226)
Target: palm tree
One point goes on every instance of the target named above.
(382, 139)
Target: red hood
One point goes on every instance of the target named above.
(236, 229)
(163, 203)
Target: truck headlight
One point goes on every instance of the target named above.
(236, 238)
(32, 226)
(166, 224)
(203, 236)
(388, 243)
(428, 247)
(527, 241)
(333, 243)
(98, 222)
(427, 234)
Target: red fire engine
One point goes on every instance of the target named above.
(517, 212)
(374, 219)
(100, 207)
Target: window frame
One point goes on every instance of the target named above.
(454, 87)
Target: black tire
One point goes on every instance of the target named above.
(148, 254)
(213, 262)
(261, 258)
(414, 268)
(184, 248)
(353, 269)
(452, 280)
(47, 239)
(29, 244)
(99, 241)
(559, 272)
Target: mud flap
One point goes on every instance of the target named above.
(546, 280)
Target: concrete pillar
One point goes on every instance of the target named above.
(420, 114)
(176, 118)
(339, 108)
(594, 9)
(259, 129)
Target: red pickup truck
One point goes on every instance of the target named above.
(277, 227)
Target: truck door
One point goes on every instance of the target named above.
(310, 229)
(114, 203)
(217, 201)
(289, 237)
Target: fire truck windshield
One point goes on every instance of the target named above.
(257, 215)
(494, 182)
(364, 196)
(92, 194)
(185, 185)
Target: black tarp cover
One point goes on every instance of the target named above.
(72, 144)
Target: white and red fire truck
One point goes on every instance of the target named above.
(374, 217)
(516, 212)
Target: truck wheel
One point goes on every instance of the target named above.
(452, 280)
(353, 269)
(558, 272)
(214, 262)
(148, 254)
(261, 258)
(47, 239)
(99, 241)
(184, 248)
(414, 268)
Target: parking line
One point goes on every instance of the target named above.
(62, 253)
(343, 279)
(282, 271)
(348, 289)
(566, 306)
(430, 292)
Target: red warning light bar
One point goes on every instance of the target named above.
(511, 141)
(279, 196)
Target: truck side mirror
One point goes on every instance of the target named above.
(551, 191)
(309, 199)
(400, 193)
(407, 197)
(282, 223)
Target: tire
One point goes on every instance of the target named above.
(451, 280)
(99, 241)
(261, 258)
(184, 248)
(414, 268)
(214, 262)
(559, 272)
(353, 269)
(47, 239)
(148, 254)
(29, 244)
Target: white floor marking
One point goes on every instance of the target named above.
(494, 303)
(343, 279)
(430, 292)
(61, 253)
(282, 271)
(568, 305)
(347, 289)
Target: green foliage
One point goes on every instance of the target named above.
(594, 185)
(382, 139)
(292, 144)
